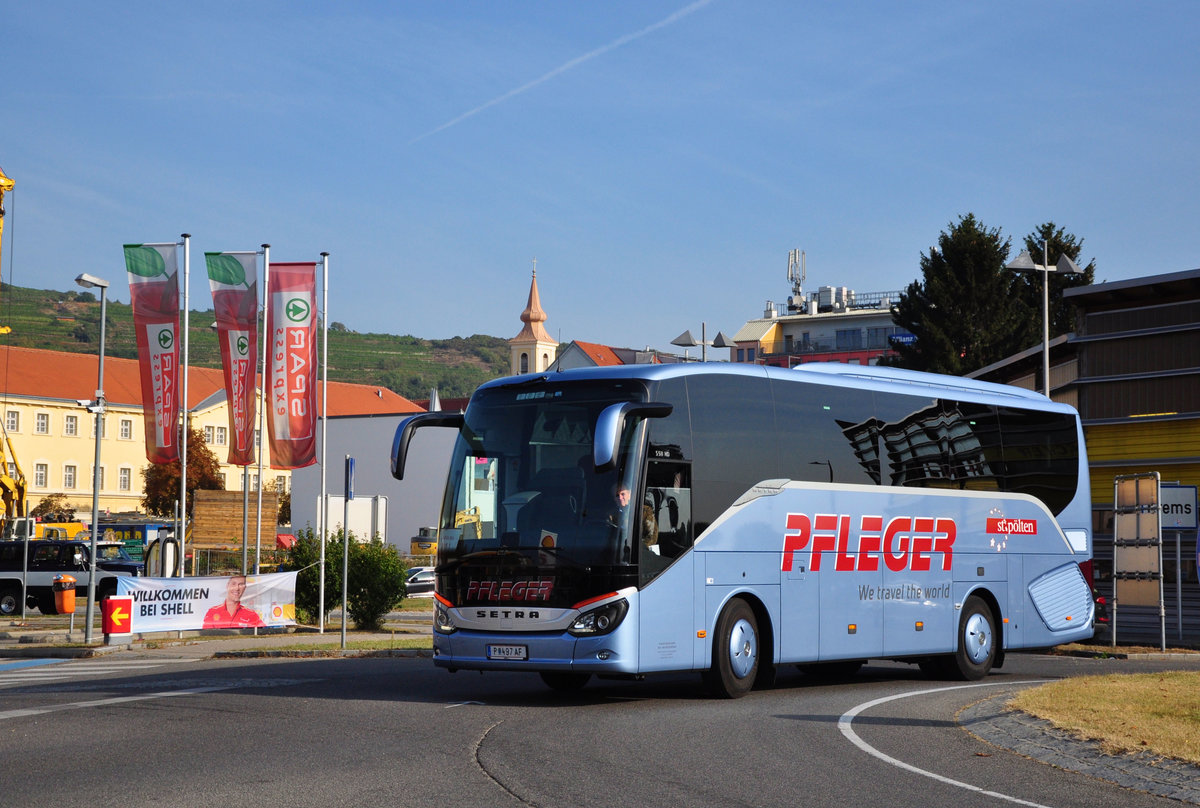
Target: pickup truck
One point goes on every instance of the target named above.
(51, 557)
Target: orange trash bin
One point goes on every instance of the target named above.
(64, 594)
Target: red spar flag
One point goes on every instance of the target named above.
(233, 278)
(291, 385)
(154, 294)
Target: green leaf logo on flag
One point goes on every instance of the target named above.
(225, 269)
(144, 261)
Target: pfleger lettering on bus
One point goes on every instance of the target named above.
(906, 543)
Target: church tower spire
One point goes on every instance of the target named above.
(533, 349)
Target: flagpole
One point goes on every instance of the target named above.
(323, 507)
(265, 338)
(187, 266)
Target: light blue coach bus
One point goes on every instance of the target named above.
(729, 519)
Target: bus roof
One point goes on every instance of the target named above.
(885, 379)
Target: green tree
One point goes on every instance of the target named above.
(161, 490)
(376, 578)
(966, 311)
(305, 559)
(1058, 242)
(54, 508)
(376, 583)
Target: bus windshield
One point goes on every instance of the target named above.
(526, 517)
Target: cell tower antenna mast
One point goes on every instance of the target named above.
(796, 274)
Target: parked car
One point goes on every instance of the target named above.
(420, 582)
(49, 558)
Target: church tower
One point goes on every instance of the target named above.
(533, 349)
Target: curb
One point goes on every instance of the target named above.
(992, 722)
(409, 653)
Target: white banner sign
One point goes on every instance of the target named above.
(180, 604)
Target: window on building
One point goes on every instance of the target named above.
(281, 481)
(524, 363)
(222, 435)
(71, 425)
(42, 423)
(12, 421)
(749, 354)
(69, 472)
(101, 477)
(40, 472)
(210, 435)
(741, 354)
(126, 429)
(849, 339)
(125, 479)
(12, 469)
(103, 427)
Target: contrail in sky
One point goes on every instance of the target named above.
(563, 68)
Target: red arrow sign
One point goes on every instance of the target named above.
(117, 615)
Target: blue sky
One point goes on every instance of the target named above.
(658, 159)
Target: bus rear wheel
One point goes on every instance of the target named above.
(735, 652)
(565, 682)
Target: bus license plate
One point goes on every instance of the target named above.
(507, 652)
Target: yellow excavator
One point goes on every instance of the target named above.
(12, 485)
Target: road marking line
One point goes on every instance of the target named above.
(844, 724)
(79, 705)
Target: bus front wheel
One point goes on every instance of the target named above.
(735, 652)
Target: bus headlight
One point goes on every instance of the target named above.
(442, 623)
(600, 620)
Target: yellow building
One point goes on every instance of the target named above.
(53, 436)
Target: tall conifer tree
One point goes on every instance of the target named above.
(966, 311)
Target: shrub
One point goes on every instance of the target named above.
(376, 578)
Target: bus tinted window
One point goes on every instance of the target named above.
(940, 443)
(671, 436)
(826, 434)
(1041, 455)
(733, 440)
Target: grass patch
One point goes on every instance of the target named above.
(1104, 649)
(1154, 712)
(405, 642)
(415, 605)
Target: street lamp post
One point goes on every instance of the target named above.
(1025, 263)
(95, 406)
(686, 340)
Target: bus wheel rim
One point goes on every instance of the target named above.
(743, 648)
(977, 638)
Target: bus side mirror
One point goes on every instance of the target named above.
(404, 433)
(611, 425)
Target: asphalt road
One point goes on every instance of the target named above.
(150, 729)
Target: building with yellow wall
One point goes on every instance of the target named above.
(53, 437)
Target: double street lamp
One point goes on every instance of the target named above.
(95, 406)
(686, 340)
(1025, 263)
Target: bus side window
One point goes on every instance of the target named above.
(665, 529)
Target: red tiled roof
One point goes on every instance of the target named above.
(70, 376)
(364, 399)
(602, 355)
